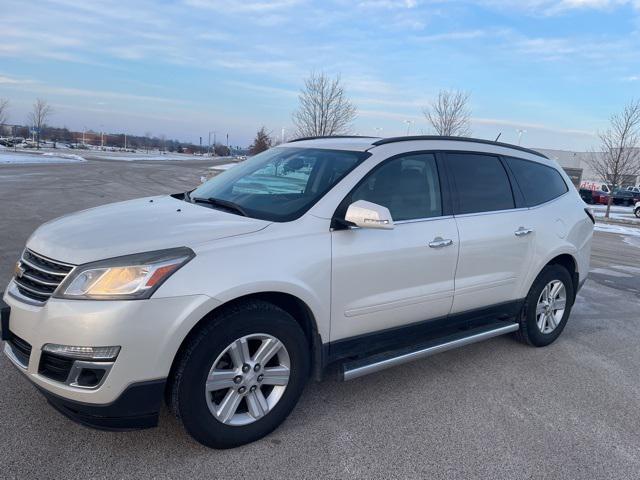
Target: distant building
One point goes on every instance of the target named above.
(576, 164)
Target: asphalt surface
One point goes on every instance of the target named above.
(496, 409)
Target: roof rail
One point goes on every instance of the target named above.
(384, 141)
(329, 136)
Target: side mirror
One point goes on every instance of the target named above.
(365, 214)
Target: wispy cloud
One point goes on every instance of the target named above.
(455, 35)
(556, 7)
(243, 62)
(41, 88)
(388, 4)
(250, 6)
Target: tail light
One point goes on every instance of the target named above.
(590, 215)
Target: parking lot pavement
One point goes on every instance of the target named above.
(496, 409)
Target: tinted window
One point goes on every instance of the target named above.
(281, 183)
(408, 186)
(537, 182)
(481, 181)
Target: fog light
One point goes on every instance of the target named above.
(82, 353)
(90, 377)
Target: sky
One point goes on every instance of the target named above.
(184, 68)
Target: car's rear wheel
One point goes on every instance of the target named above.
(637, 212)
(547, 307)
(240, 375)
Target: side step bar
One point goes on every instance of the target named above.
(375, 363)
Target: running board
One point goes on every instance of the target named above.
(375, 363)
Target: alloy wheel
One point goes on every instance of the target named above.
(550, 307)
(247, 379)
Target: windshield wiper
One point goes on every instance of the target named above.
(225, 204)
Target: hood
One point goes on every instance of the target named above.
(135, 226)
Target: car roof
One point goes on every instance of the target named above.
(362, 143)
(355, 143)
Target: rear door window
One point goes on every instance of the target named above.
(538, 183)
(481, 183)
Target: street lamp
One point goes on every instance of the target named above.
(409, 123)
(520, 132)
(214, 142)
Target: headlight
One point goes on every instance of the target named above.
(121, 278)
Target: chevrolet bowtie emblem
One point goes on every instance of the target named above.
(19, 271)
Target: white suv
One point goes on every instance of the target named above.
(359, 252)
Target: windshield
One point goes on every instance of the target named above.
(282, 183)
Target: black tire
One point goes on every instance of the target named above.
(637, 212)
(529, 333)
(187, 397)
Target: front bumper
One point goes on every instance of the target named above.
(149, 333)
(138, 407)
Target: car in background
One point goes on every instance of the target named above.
(587, 196)
(601, 198)
(625, 197)
(634, 189)
(599, 192)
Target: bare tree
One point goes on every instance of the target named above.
(4, 108)
(147, 140)
(449, 114)
(324, 108)
(38, 116)
(620, 149)
(262, 142)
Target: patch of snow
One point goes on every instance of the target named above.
(619, 229)
(141, 156)
(14, 158)
(70, 156)
(223, 167)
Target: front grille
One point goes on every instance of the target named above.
(55, 367)
(37, 277)
(21, 348)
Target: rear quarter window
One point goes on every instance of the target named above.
(538, 183)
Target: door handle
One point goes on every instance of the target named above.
(521, 232)
(440, 242)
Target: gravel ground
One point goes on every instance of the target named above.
(491, 410)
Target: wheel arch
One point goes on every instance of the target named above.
(568, 261)
(288, 302)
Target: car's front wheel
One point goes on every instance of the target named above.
(637, 212)
(240, 375)
(547, 307)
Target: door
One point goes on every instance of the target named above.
(496, 238)
(390, 278)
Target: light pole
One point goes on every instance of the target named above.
(83, 132)
(409, 123)
(520, 132)
(214, 142)
(282, 135)
(102, 137)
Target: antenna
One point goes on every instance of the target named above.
(498, 137)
